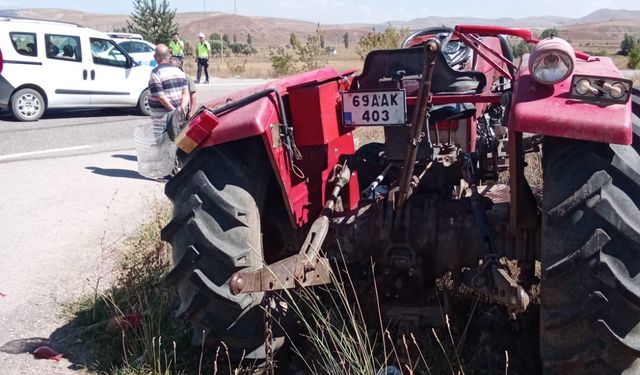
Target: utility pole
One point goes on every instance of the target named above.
(235, 17)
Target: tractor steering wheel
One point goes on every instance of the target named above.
(455, 52)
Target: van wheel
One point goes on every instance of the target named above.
(27, 105)
(143, 103)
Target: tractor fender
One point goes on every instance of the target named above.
(548, 109)
(255, 118)
(311, 102)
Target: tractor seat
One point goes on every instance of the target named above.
(453, 111)
(387, 63)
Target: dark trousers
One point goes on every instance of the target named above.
(203, 64)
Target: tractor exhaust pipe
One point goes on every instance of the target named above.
(420, 115)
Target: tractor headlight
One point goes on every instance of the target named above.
(552, 61)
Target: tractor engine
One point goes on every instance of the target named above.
(439, 234)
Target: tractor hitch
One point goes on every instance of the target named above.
(307, 268)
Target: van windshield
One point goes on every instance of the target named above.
(106, 52)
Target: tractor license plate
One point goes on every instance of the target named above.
(374, 108)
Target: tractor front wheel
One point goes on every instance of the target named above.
(590, 290)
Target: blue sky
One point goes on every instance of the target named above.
(352, 11)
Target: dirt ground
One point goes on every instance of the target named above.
(61, 225)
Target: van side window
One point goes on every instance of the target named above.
(24, 43)
(63, 47)
(106, 52)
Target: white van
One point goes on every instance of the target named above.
(62, 65)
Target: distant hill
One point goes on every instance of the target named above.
(606, 15)
(602, 24)
(529, 22)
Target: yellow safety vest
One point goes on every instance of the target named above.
(203, 49)
(177, 48)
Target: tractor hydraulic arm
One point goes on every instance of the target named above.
(420, 115)
(307, 268)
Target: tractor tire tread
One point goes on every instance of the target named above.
(590, 291)
(214, 232)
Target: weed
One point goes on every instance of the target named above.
(236, 65)
(130, 328)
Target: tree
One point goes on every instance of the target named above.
(249, 39)
(547, 33)
(345, 40)
(312, 55)
(629, 42)
(282, 61)
(390, 38)
(225, 39)
(519, 47)
(249, 50)
(322, 41)
(308, 56)
(293, 40)
(634, 58)
(153, 19)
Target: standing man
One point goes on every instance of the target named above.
(203, 51)
(177, 46)
(167, 91)
(167, 88)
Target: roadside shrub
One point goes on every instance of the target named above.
(519, 47)
(312, 54)
(634, 58)
(390, 38)
(299, 57)
(282, 61)
(628, 44)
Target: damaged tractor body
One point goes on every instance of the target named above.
(440, 204)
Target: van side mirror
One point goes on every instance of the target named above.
(130, 62)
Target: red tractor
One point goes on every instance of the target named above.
(271, 176)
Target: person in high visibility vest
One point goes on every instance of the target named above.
(203, 50)
(177, 46)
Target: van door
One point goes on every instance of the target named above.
(116, 82)
(67, 71)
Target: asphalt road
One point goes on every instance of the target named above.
(69, 196)
(62, 133)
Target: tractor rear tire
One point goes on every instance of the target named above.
(215, 231)
(590, 289)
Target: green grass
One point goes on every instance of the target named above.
(130, 328)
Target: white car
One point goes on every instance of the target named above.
(141, 50)
(62, 65)
(119, 35)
